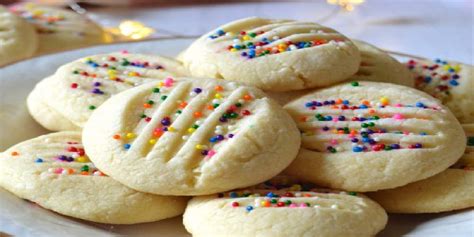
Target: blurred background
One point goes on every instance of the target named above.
(428, 28)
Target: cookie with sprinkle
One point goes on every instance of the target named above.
(55, 172)
(65, 100)
(59, 29)
(367, 136)
(187, 136)
(273, 55)
(284, 207)
(449, 81)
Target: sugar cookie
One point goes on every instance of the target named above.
(60, 29)
(53, 171)
(191, 137)
(449, 81)
(367, 136)
(276, 209)
(18, 39)
(79, 87)
(450, 190)
(273, 55)
(376, 65)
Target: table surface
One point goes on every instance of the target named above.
(429, 28)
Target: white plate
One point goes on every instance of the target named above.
(22, 218)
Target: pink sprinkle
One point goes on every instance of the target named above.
(398, 105)
(398, 116)
(124, 51)
(58, 170)
(334, 142)
(211, 153)
(169, 82)
(406, 132)
(293, 205)
(303, 205)
(335, 120)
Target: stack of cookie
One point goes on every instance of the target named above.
(277, 127)
(29, 29)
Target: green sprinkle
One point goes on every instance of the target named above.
(470, 141)
(215, 105)
(91, 107)
(179, 111)
(354, 83)
(150, 102)
(156, 90)
(353, 193)
(164, 97)
(75, 72)
(85, 168)
(143, 116)
(195, 126)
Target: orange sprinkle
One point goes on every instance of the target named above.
(116, 136)
(70, 171)
(210, 107)
(247, 97)
(183, 104)
(85, 173)
(197, 114)
(366, 102)
(303, 119)
(340, 131)
(146, 105)
(334, 107)
(339, 101)
(307, 195)
(157, 133)
(372, 111)
(218, 88)
(15, 153)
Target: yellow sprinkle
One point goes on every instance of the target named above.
(171, 129)
(161, 84)
(282, 46)
(457, 68)
(200, 147)
(218, 96)
(82, 159)
(233, 50)
(384, 100)
(446, 67)
(191, 130)
(152, 141)
(295, 187)
(246, 37)
(132, 74)
(111, 71)
(130, 135)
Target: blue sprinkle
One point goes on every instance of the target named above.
(438, 60)
(127, 146)
(363, 106)
(346, 102)
(357, 149)
(220, 32)
(270, 195)
(39, 160)
(428, 79)
(233, 195)
(454, 82)
(422, 133)
(249, 208)
(420, 105)
(455, 76)
(365, 139)
(328, 118)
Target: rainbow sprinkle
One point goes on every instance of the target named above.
(254, 45)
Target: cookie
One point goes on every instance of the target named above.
(54, 172)
(66, 100)
(284, 209)
(191, 137)
(450, 190)
(449, 81)
(273, 55)
(18, 38)
(367, 136)
(60, 29)
(376, 65)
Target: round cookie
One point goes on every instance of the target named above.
(367, 136)
(18, 39)
(450, 190)
(53, 171)
(375, 65)
(273, 55)
(60, 29)
(191, 137)
(449, 81)
(282, 209)
(66, 100)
